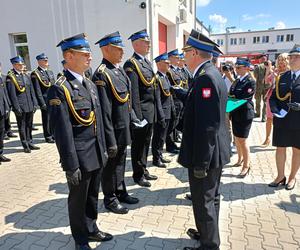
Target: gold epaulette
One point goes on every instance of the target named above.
(288, 95)
(101, 68)
(162, 89)
(113, 89)
(144, 81)
(85, 122)
(40, 79)
(12, 76)
(60, 81)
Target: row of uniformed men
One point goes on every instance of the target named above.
(133, 101)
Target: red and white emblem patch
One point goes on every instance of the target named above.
(206, 92)
(249, 90)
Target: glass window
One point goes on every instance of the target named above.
(280, 38)
(265, 39)
(289, 37)
(20, 44)
(242, 40)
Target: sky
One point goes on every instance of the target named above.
(248, 15)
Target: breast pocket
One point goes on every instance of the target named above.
(121, 89)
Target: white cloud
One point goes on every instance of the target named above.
(247, 17)
(220, 22)
(280, 25)
(202, 3)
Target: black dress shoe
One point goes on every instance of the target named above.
(50, 140)
(128, 199)
(11, 134)
(117, 208)
(27, 150)
(277, 184)
(82, 247)
(4, 159)
(34, 128)
(143, 183)
(164, 160)
(193, 233)
(173, 151)
(150, 177)
(6, 137)
(290, 186)
(100, 236)
(159, 164)
(33, 147)
(188, 197)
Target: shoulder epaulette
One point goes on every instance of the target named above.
(101, 68)
(60, 81)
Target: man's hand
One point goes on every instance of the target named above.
(294, 106)
(34, 109)
(112, 151)
(73, 176)
(44, 107)
(163, 123)
(18, 112)
(200, 173)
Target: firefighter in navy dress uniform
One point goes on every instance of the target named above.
(4, 112)
(242, 117)
(176, 79)
(42, 78)
(164, 105)
(23, 101)
(286, 98)
(114, 92)
(75, 118)
(205, 142)
(142, 77)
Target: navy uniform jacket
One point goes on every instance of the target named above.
(164, 96)
(174, 76)
(42, 81)
(244, 89)
(205, 141)
(143, 94)
(282, 88)
(24, 101)
(4, 104)
(114, 92)
(79, 146)
(186, 76)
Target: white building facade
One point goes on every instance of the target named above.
(272, 42)
(35, 26)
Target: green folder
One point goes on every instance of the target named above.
(233, 104)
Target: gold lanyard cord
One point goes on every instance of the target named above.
(41, 81)
(146, 83)
(277, 91)
(15, 82)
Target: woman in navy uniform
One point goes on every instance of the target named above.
(286, 98)
(242, 88)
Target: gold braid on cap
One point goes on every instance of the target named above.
(78, 118)
(180, 84)
(145, 82)
(113, 89)
(167, 94)
(288, 95)
(45, 84)
(12, 76)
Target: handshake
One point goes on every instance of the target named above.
(294, 106)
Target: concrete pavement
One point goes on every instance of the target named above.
(33, 204)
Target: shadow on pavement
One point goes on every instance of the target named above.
(243, 191)
(293, 206)
(56, 240)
